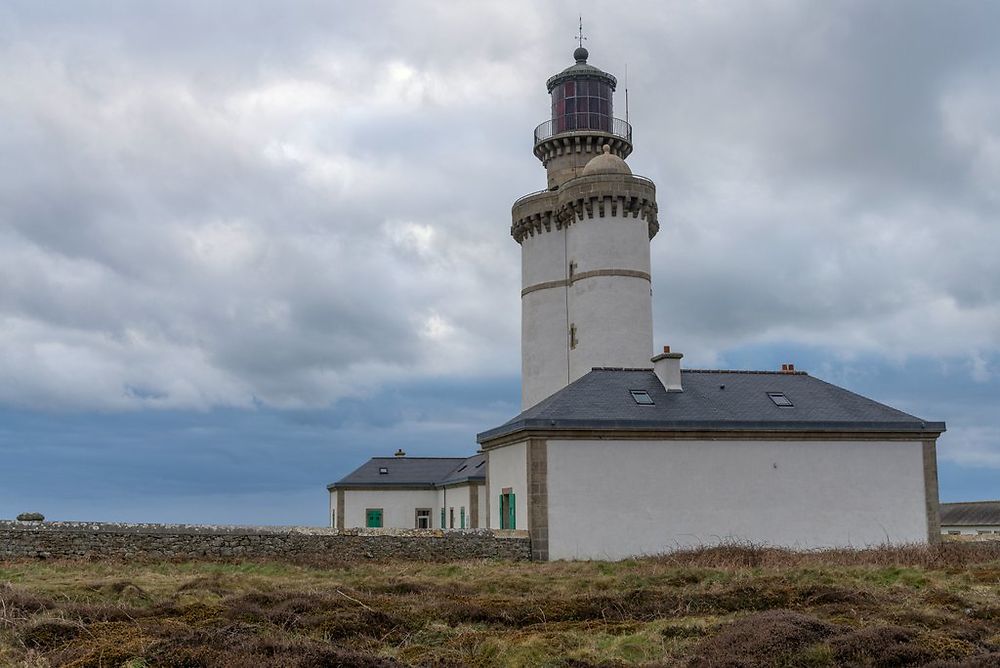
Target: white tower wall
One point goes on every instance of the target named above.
(543, 258)
(585, 294)
(544, 345)
(544, 359)
(609, 296)
(614, 324)
(609, 241)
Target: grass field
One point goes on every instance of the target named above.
(714, 607)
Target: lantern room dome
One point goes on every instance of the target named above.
(606, 163)
(581, 71)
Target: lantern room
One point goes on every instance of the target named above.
(582, 97)
(581, 122)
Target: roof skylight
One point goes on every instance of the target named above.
(780, 399)
(641, 397)
(382, 470)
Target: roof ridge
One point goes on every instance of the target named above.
(395, 458)
(620, 368)
(749, 371)
(753, 371)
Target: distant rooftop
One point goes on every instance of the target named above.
(414, 472)
(971, 513)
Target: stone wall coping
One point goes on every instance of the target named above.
(238, 530)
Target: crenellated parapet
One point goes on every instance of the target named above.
(584, 143)
(600, 195)
(564, 155)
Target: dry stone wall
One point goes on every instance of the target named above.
(187, 541)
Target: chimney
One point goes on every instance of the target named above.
(787, 368)
(667, 367)
(400, 453)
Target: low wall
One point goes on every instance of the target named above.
(190, 541)
(972, 538)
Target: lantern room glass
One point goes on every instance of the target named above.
(582, 104)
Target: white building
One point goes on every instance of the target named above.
(971, 518)
(618, 453)
(412, 493)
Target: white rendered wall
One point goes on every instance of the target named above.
(484, 520)
(544, 345)
(613, 315)
(508, 467)
(544, 334)
(609, 242)
(442, 502)
(543, 257)
(398, 506)
(614, 324)
(457, 497)
(614, 499)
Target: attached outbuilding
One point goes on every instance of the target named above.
(629, 462)
(403, 492)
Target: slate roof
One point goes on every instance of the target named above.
(414, 472)
(711, 400)
(971, 513)
(473, 468)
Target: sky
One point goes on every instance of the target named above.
(244, 246)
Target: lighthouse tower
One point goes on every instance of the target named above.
(586, 299)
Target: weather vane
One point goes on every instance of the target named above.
(581, 38)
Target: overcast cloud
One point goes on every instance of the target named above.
(280, 206)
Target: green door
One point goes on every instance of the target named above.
(508, 511)
(373, 518)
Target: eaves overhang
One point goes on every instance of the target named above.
(605, 428)
(387, 485)
(455, 482)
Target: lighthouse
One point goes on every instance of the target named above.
(586, 297)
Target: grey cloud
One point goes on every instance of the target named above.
(230, 203)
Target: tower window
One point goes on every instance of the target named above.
(641, 397)
(582, 105)
(572, 337)
(780, 399)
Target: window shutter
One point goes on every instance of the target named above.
(513, 513)
(442, 518)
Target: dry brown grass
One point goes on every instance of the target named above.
(727, 606)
